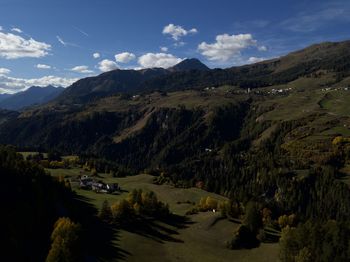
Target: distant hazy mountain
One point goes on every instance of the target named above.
(4, 96)
(189, 64)
(32, 96)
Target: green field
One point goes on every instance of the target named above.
(201, 238)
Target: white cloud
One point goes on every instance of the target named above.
(226, 46)
(107, 65)
(14, 46)
(164, 49)
(17, 30)
(13, 85)
(82, 69)
(1, 28)
(42, 66)
(163, 60)
(124, 57)
(96, 55)
(254, 59)
(177, 31)
(179, 44)
(4, 71)
(262, 48)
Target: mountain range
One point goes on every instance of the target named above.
(192, 74)
(123, 81)
(34, 95)
(80, 105)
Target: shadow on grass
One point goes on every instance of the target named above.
(100, 239)
(160, 230)
(271, 236)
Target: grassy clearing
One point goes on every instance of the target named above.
(337, 130)
(200, 241)
(293, 106)
(337, 102)
(202, 238)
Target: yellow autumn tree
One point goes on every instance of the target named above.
(66, 242)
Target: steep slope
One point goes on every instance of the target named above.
(116, 118)
(34, 95)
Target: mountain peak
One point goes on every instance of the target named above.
(189, 64)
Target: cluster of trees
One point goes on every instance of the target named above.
(206, 204)
(316, 241)
(228, 209)
(246, 236)
(53, 160)
(102, 165)
(137, 205)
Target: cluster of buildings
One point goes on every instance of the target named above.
(335, 89)
(88, 183)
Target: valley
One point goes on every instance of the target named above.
(187, 163)
(202, 234)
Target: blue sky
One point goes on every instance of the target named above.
(58, 42)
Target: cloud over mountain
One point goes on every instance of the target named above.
(13, 84)
(82, 69)
(226, 46)
(124, 57)
(162, 60)
(107, 65)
